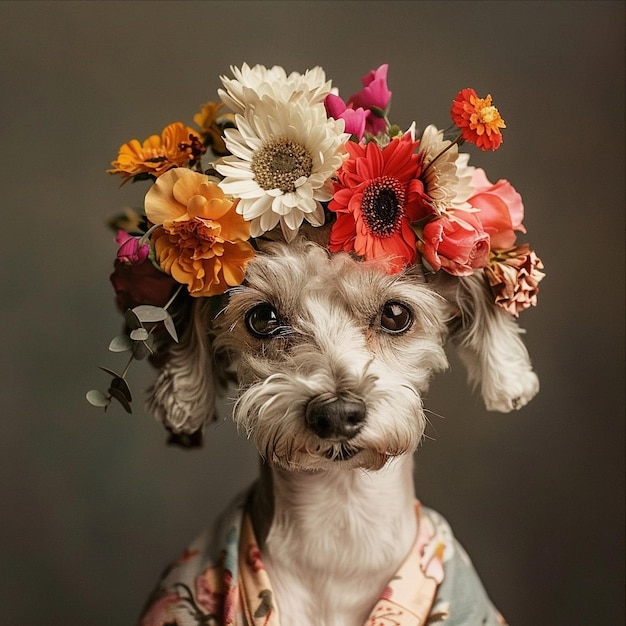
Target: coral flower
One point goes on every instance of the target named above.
(202, 241)
(501, 209)
(176, 146)
(478, 119)
(459, 246)
(375, 198)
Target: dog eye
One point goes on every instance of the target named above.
(395, 318)
(262, 321)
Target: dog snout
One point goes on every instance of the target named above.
(335, 418)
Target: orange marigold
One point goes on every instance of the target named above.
(478, 120)
(175, 147)
(202, 241)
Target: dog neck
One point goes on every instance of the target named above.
(332, 540)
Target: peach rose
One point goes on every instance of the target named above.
(457, 245)
(501, 210)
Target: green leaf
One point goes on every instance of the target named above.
(131, 319)
(148, 313)
(97, 398)
(142, 349)
(121, 343)
(108, 371)
(118, 384)
(122, 399)
(139, 334)
(170, 327)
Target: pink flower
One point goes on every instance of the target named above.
(458, 246)
(501, 209)
(514, 277)
(375, 97)
(254, 558)
(131, 251)
(210, 590)
(162, 612)
(354, 118)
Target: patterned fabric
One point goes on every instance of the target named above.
(220, 581)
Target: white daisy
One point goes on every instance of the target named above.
(446, 174)
(284, 155)
(253, 83)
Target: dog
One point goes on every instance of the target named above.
(332, 359)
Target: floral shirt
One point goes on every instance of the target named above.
(220, 581)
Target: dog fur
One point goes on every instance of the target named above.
(333, 400)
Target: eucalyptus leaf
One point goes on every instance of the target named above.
(108, 371)
(97, 398)
(119, 384)
(141, 350)
(121, 343)
(131, 319)
(148, 313)
(122, 399)
(170, 327)
(139, 334)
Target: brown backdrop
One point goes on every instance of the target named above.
(94, 505)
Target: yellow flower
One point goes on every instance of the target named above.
(173, 148)
(211, 126)
(201, 241)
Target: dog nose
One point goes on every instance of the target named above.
(335, 418)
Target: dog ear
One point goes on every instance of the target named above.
(183, 395)
(489, 344)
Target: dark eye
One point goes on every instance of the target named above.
(395, 318)
(262, 321)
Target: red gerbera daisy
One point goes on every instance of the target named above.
(376, 197)
(478, 119)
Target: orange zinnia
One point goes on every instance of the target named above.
(202, 241)
(478, 120)
(173, 148)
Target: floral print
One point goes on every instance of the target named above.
(221, 581)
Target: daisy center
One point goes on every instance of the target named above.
(280, 163)
(383, 205)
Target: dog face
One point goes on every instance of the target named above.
(333, 356)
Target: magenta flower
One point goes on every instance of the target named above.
(355, 119)
(375, 97)
(131, 251)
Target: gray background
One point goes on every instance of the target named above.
(93, 505)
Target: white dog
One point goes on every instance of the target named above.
(332, 359)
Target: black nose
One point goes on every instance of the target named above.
(335, 418)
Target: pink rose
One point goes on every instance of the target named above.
(458, 246)
(501, 210)
(375, 97)
(354, 118)
(131, 251)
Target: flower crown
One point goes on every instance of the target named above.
(283, 150)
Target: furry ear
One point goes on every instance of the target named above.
(183, 396)
(489, 344)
